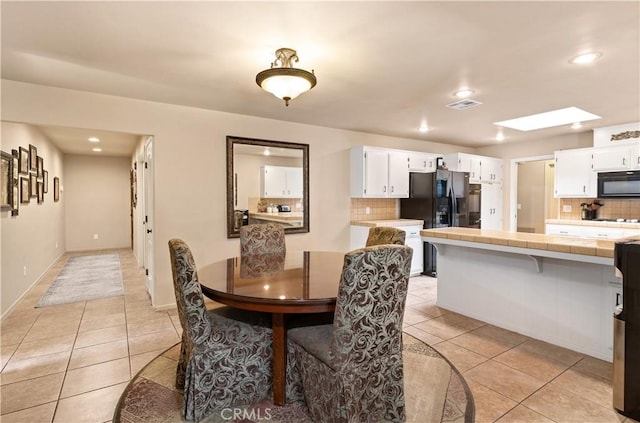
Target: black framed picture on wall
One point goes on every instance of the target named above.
(6, 177)
(23, 161)
(33, 185)
(33, 157)
(24, 191)
(56, 188)
(40, 167)
(40, 193)
(15, 182)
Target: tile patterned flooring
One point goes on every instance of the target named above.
(70, 363)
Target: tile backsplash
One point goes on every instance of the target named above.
(612, 209)
(379, 208)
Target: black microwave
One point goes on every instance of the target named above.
(624, 184)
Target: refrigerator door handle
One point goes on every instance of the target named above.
(454, 206)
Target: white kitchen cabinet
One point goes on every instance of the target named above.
(398, 174)
(491, 206)
(602, 233)
(379, 173)
(359, 235)
(573, 176)
(424, 163)
(481, 169)
(281, 182)
(563, 230)
(614, 158)
(597, 232)
(295, 182)
(463, 162)
(490, 170)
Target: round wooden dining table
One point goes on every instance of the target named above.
(293, 283)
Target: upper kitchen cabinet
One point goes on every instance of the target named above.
(463, 162)
(379, 173)
(621, 157)
(490, 170)
(422, 162)
(481, 169)
(573, 176)
(281, 182)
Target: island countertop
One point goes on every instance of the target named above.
(387, 222)
(584, 246)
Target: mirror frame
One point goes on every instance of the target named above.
(233, 140)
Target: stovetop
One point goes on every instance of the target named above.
(617, 220)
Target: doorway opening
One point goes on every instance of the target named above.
(532, 200)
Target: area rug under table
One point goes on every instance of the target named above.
(435, 392)
(85, 278)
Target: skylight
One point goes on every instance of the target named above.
(548, 119)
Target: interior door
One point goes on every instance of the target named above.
(148, 220)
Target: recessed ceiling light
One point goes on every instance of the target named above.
(97, 150)
(576, 125)
(583, 59)
(463, 93)
(500, 136)
(548, 119)
(424, 128)
(266, 152)
(94, 139)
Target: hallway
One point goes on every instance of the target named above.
(70, 362)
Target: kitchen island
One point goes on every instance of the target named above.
(561, 290)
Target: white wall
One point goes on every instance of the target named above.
(35, 238)
(190, 165)
(97, 198)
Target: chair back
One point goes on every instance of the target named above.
(191, 306)
(381, 235)
(264, 238)
(367, 325)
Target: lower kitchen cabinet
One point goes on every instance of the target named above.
(359, 236)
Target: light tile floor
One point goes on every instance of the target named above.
(70, 363)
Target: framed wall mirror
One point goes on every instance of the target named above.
(267, 181)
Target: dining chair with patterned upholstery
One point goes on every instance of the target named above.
(262, 238)
(380, 235)
(226, 354)
(352, 370)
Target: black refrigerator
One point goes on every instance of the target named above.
(440, 199)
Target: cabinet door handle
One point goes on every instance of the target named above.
(564, 232)
(617, 299)
(392, 188)
(584, 188)
(425, 163)
(384, 188)
(624, 161)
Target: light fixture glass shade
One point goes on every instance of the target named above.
(285, 82)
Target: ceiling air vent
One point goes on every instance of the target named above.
(464, 104)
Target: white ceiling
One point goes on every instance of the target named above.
(382, 67)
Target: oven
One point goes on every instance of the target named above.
(624, 184)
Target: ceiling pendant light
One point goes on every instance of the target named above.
(283, 80)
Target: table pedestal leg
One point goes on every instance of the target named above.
(279, 359)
